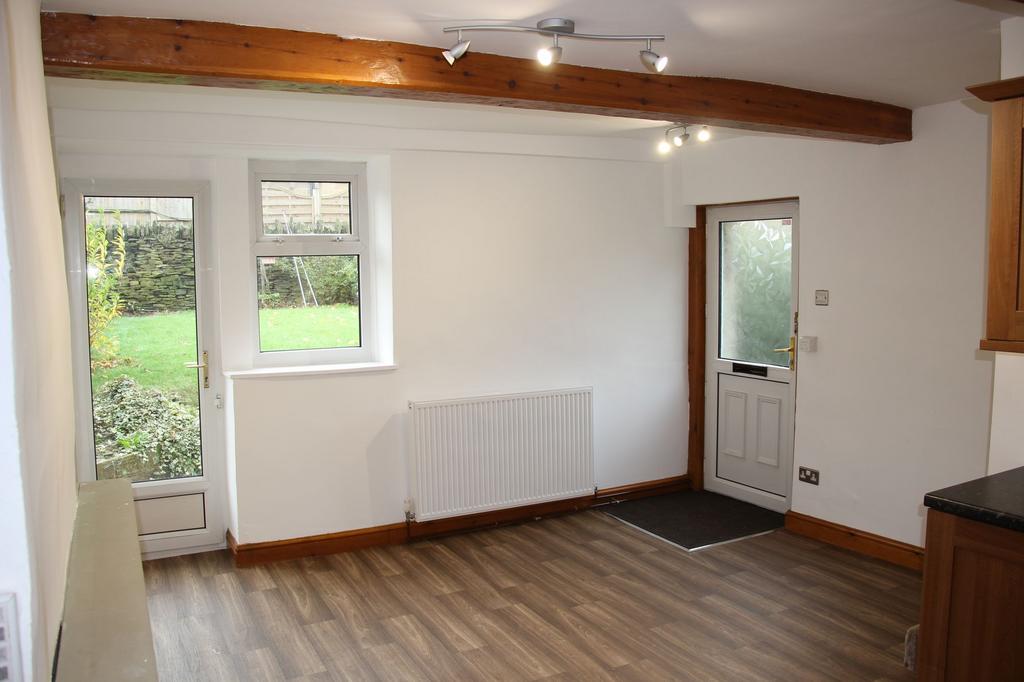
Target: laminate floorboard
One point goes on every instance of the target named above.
(579, 597)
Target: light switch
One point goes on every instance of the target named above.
(821, 297)
(809, 344)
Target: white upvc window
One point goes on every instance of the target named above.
(312, 262)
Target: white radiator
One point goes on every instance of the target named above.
(479, 454)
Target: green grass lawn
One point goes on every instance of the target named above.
(327, 326)
(153, 349)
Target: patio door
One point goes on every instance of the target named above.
(751, 351)
(146, 391)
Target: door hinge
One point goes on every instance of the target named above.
(60, 205)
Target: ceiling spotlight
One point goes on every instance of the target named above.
(664, 147)
(550, 55)
(678, 134)
(456, 50)
(704, 135)
(652, 61)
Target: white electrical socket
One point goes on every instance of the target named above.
(10, 665)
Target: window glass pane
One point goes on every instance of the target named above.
(308, 302)
(141, 291)
(755, 290)
(295, 207)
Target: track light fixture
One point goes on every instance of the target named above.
(456, 50)
(550, 55)
(652, 60)
(678, 135)
(556, 28)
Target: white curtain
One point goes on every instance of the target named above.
(36, 331)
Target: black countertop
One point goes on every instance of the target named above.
(997, 500)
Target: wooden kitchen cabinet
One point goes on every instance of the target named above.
(1004, 320)
(972, 605)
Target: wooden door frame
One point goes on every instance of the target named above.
(696, 351)
(696, 304)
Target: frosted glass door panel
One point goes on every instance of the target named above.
(756, 286)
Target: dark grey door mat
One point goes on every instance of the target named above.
(695, 519)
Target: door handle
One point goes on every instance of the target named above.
(205, 366)
(791, 349)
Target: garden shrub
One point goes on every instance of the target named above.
(105, 258)
(144, 434)
(334, 279)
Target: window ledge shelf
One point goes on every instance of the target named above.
(310, 370)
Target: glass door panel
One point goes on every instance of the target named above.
(144, 358)
(755, 291)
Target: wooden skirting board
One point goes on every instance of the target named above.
(250, 554)
(254, 553)
(862, 542)
(633, 491)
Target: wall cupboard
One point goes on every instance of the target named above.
(1004, 320)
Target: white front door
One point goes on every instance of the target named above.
(145, 381)
(751, 351)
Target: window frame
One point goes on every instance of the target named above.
(358, 243)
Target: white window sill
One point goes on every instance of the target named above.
(310, 370)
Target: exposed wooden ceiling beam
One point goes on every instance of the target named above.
(227, 55)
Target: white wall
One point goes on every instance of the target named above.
(896, 400)
(895, 403)
(1006, 448)
(1011, 61)
(15, 564)
(37, 469)
(521, 262)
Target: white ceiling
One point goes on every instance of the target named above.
(906, 52)
(65, 93)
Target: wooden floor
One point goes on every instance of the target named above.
(581, 597)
